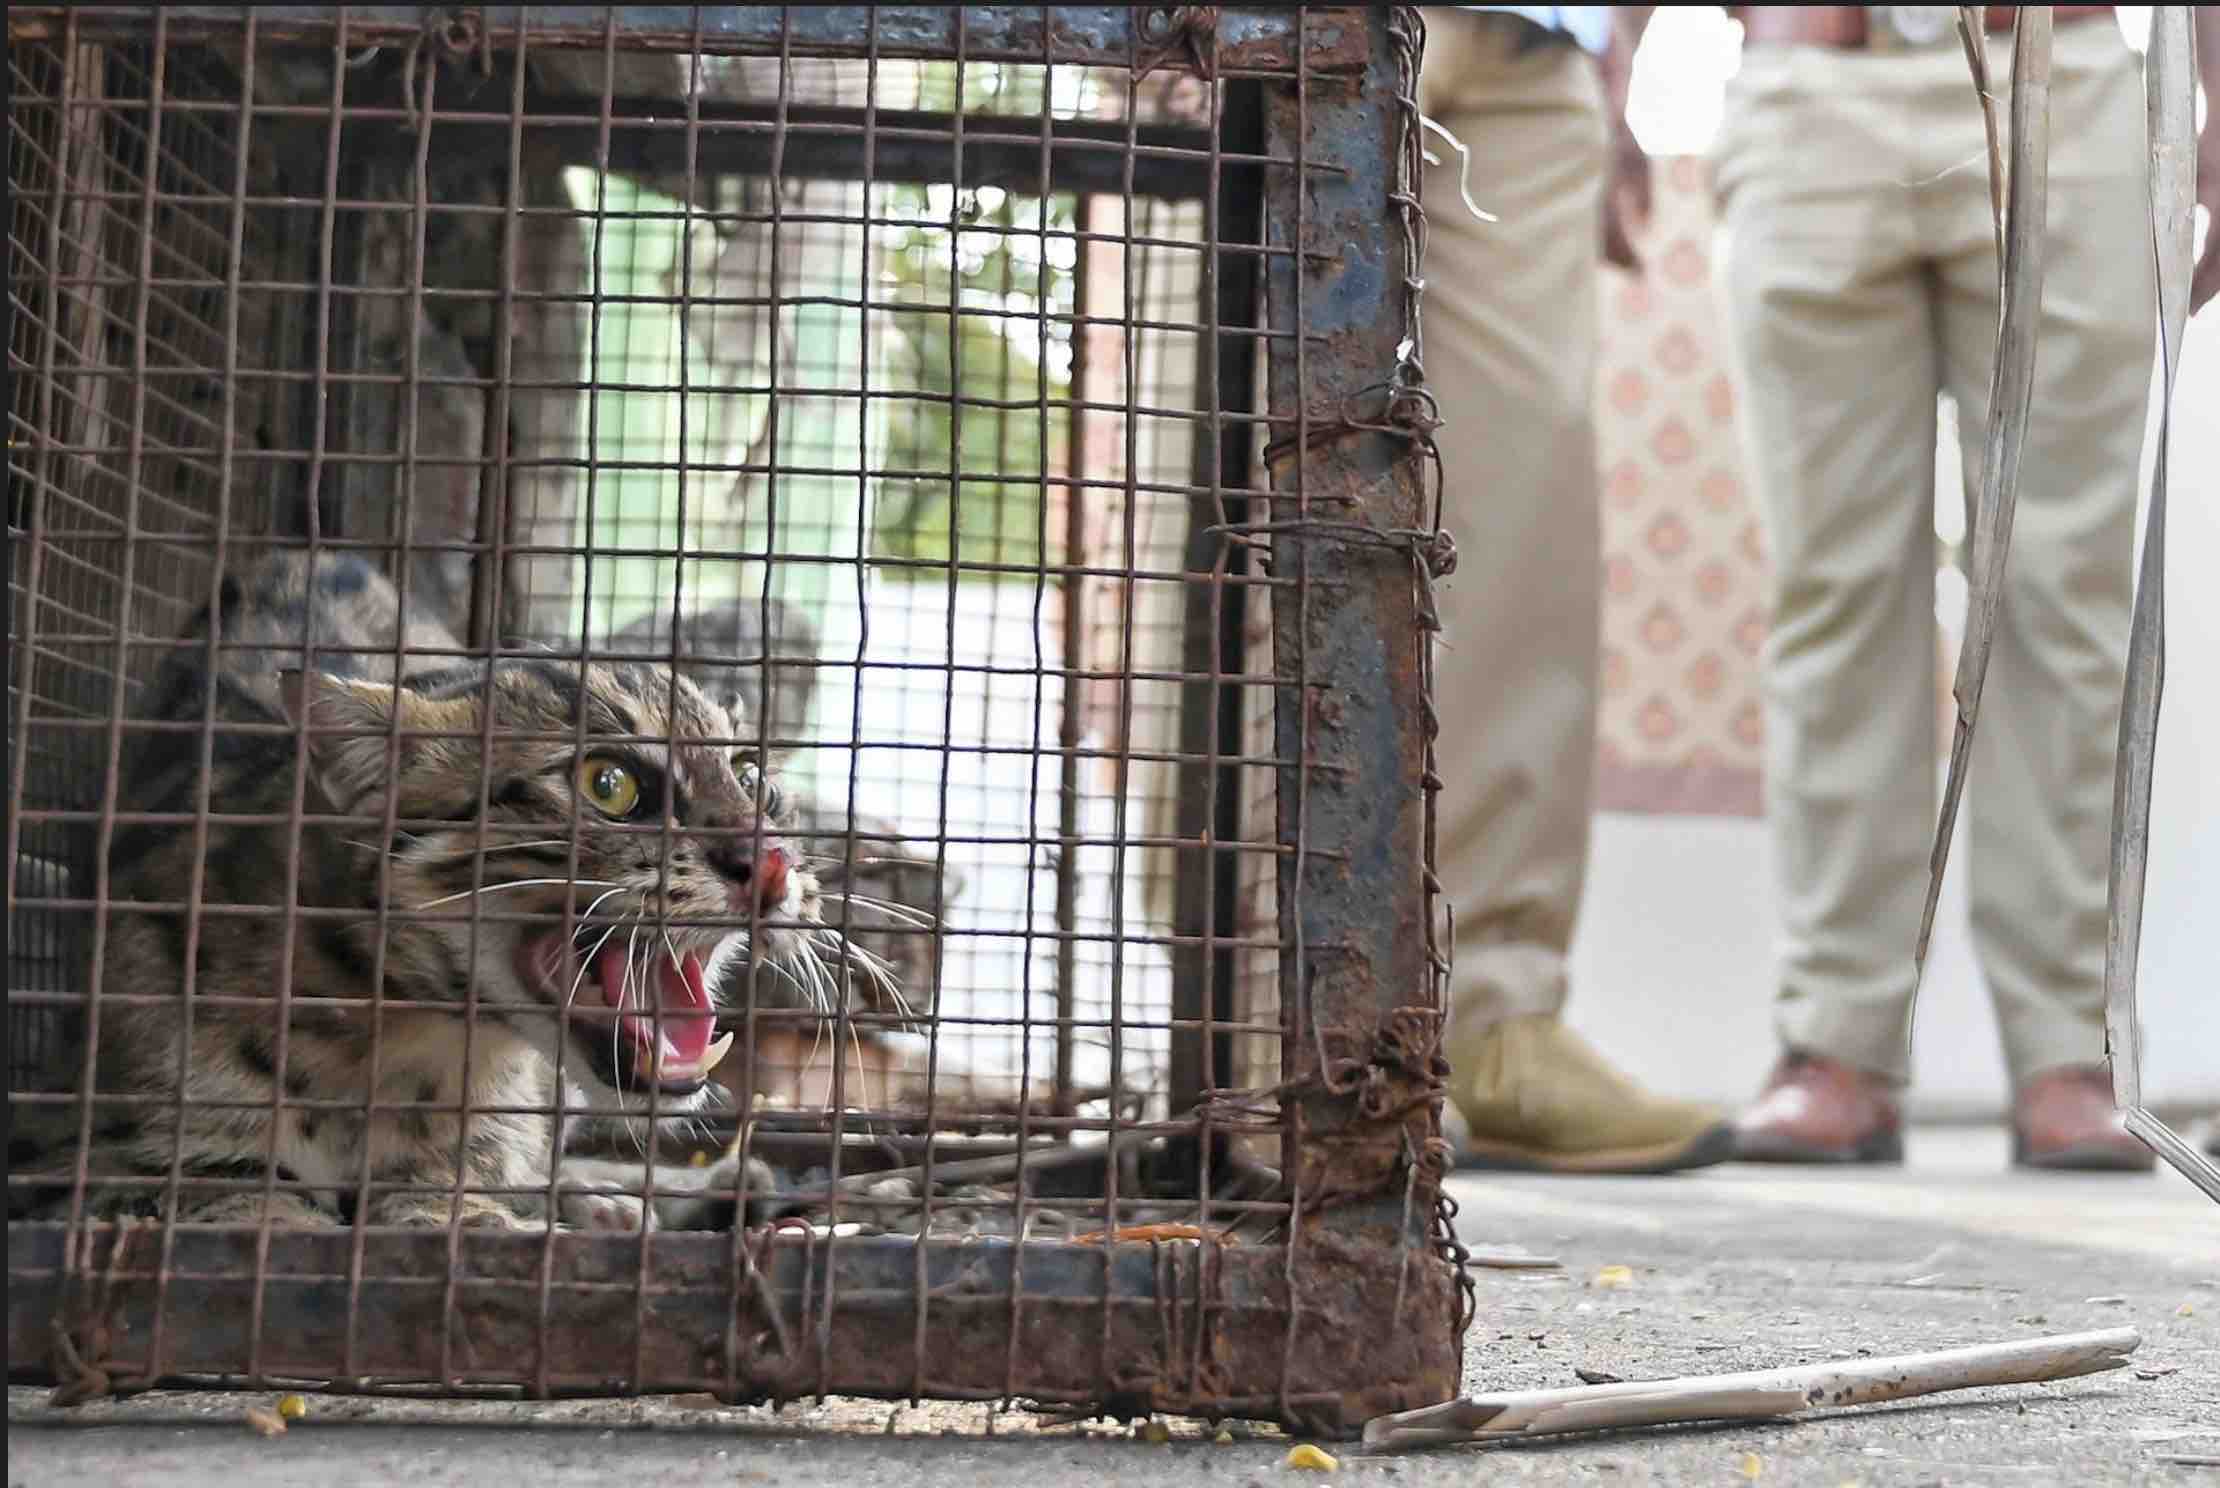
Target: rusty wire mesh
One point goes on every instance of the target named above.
(1013, 416)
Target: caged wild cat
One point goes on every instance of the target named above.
(674, 825)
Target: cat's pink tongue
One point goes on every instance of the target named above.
(679, 989)
(687, 1050)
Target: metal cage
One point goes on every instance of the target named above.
(1018, 411)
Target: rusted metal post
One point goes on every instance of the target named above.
(1360, 1020)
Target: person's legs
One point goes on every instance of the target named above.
(2039, 798)
(1511, 332)
(1828, 309)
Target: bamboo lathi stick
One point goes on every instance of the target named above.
(1758, 1394)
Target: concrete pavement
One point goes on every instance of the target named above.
(1731, 1268)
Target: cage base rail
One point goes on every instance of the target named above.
(1178, 1321)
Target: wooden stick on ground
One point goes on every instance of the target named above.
(1759, 1394)
(1512, 1260)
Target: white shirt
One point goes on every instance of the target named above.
(1589, 25)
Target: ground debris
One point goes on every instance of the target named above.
(1511, 1258)
(1315, 1459)
(265, 1422)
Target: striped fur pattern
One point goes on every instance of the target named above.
(445, 824)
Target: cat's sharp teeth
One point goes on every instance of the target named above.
(644, 1064)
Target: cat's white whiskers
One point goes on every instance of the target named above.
(515, 883)
(828, 996)
(863, 1075)
(864, 953)
(786, 976)
(465, 854)
(585, 964)
(847, 956)
(816, 1042)
(624, 1001)
(809, 953)
(893, 985)
(909, 915)
(881, 970)
(586, 958)
(883, 978)
(815, 861)
(600, 900)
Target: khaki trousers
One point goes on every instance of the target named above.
(1857, 271)
(1510, 352)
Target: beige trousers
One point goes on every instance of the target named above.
(1510, 352)
(1857, 272)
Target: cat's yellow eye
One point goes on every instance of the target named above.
(612, 788)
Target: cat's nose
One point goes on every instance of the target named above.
(771, 878)
(752, 881)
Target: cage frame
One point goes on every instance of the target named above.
(1123, 1327)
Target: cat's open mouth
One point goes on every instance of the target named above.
(611, 971)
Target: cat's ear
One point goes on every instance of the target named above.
(350, 724)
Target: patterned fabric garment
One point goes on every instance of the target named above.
(1679, 726)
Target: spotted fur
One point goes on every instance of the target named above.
(267, 1085)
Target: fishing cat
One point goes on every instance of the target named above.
(884, 892)
(666, 834)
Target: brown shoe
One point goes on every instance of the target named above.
(2064, 1118)
(1816, 1110)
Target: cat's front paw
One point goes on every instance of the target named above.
(601, 1208)
(751, 1187)
(728, 1176)
(610, 1194)
(286, 1211)
(437, 1214)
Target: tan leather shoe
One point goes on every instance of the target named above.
(1816, 1110)
(2063, 1117)
(1536, 1098)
